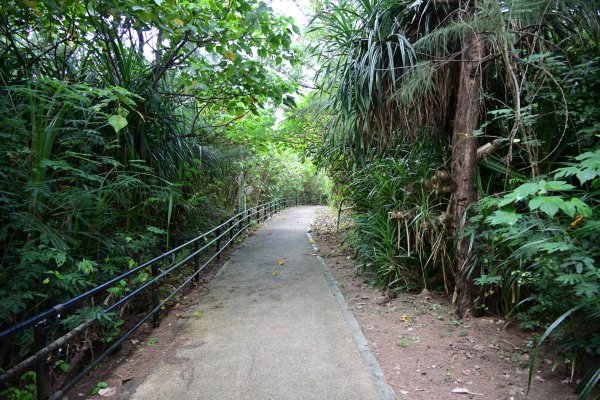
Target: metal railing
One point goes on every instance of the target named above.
(47, 322)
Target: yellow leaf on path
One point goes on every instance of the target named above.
(275, 273)
(280, 262)
(311, 240)
(197, 314)
(405, 318)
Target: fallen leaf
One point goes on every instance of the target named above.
(405, 318)
(275, 273)
(311, 241)
(464, 391)
(107, 392)
(197, 314)
(280, 262)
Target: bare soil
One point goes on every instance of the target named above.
(425, 351)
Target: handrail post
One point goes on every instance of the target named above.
(196, 261)
(230, 228)
(218, 243)
(42, 373)
(155, 299)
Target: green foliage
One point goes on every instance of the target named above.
(534, 242)
(406, 250)
(120, 139)
(542, 256)
(286, 177)
(98, 386)
(27, 390)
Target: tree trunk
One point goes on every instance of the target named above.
(464, 163)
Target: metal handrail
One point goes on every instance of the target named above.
(46, 320)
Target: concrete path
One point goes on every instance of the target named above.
(268, 331)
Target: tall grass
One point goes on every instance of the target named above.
(400, 232)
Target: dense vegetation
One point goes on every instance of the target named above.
(463, 136)
(127, 128)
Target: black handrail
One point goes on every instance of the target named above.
(43, 322)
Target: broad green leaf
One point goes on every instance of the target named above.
(500, 217)
(581, 207)
(556, 185)
(117, 121)
(156, 230)
(86, 266)
(587, 169)
(547, 204)
(520, 193)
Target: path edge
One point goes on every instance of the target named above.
(385, 391)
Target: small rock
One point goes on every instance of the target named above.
(468, 355)
(539, 378)
(476, 366)
(478, 347)
(364, 297)
(500, 322)
(515, 391)
(404, 392)
(466, 372)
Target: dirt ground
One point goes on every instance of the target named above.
(425, 351)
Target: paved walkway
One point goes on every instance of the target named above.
(269, 331)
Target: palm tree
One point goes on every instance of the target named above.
(393, 68)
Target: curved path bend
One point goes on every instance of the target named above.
(270, 331)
